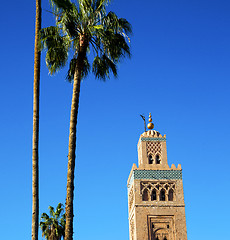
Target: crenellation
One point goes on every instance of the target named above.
(173, 167)
(179, 167)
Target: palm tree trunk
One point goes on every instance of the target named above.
(71, 159)
(72, 143)
(35, 184)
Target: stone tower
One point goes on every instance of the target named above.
(155, 192)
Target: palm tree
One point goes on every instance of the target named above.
(53, 226)
(37, 55)
(80, 28)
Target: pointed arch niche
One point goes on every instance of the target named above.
(158, 160)
(154, 195)
(170, 195)
(146, 195)
(150, 159)
(162, 195)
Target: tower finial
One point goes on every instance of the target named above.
(150, 124)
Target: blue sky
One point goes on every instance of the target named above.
(179, 71)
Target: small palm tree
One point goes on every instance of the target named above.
(80, 29)
(53, 226)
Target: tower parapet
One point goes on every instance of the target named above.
(152, 152)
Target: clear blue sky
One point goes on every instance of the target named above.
(179, 71)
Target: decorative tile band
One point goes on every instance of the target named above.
(157, 174)
(145, 139)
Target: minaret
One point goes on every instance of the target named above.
(155, 192)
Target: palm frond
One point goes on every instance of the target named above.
(102, 66)
(71, 71)
(57, 47)
(44, 216)
(72, 68)
(113, 45)
(70, 22)
(125, 25)
(99, 7)
(118, 25)
(51, 211)
(85, 7)
(60, 5)
(59, 210)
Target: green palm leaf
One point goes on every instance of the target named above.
(57, 47)
(102, 66)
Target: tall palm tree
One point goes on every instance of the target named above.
(53, 226)
(79, 28)
(35, 189)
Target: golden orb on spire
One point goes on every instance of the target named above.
(150, 124)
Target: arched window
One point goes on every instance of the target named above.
(150, 159)
(162, 195)
(170, 196)
(145, 196)
(154, 195)
(158, 161)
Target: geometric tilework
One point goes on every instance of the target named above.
(145, 139)
(157, 174)
(153, 148)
